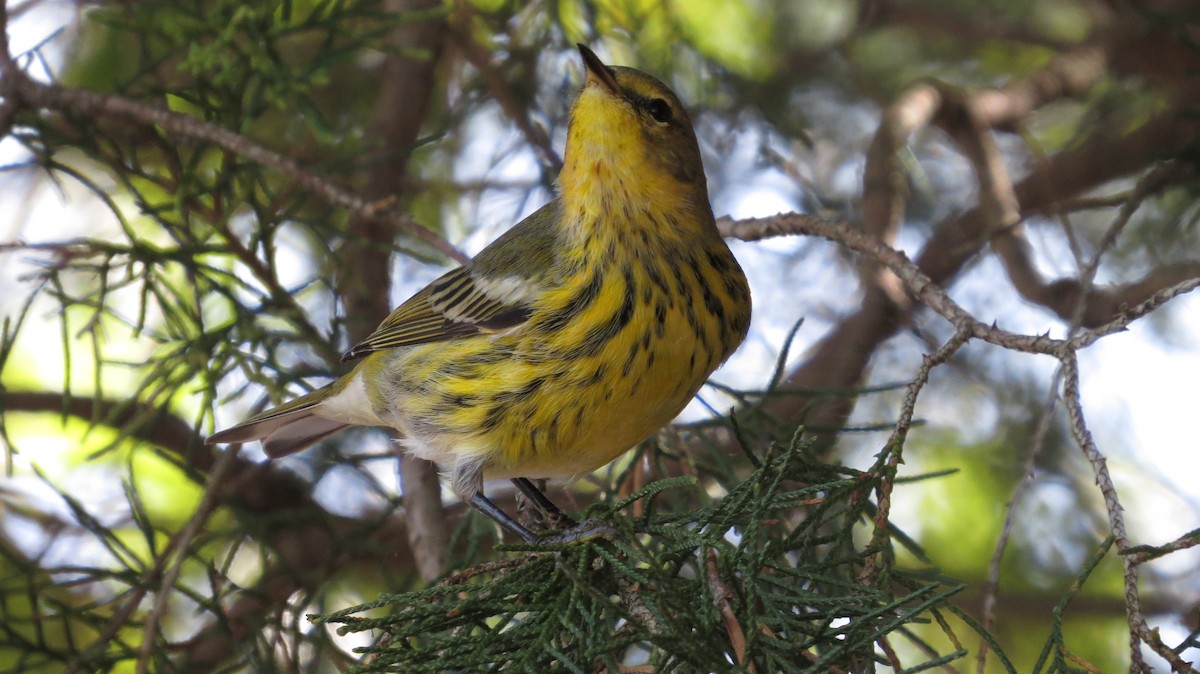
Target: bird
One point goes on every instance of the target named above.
(573, 336)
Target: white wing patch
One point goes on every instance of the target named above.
(512, 290)
(509, 289)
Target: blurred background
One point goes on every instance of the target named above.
(158, 283)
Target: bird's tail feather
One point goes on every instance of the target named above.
(300, 434)
(284, 430)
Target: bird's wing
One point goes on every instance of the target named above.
(459, 304)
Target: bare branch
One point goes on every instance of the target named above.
(992, 585)
(1112, 503)
(177, 553)
(364, 264)
(1076, 300)
(721, 595)
(839, 360)
(1067, 75)
(895, 445)
(885, 185)
(924, 288)
(1144, 553)
(962, 121)
(502, 93)
(134, 419)
(428, 522)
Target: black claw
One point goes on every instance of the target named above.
(587, 531)
(574, 533)
(557, 518)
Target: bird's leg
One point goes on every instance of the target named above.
(467, 481)
(484, 505)
(571, 531)
(466, 478)
(557, 518)
(574, 533)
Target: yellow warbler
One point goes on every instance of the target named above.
(570, 338)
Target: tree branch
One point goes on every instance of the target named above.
(307, 548)
(134, 419)
(840, 359)
(924, 288)
(1112, 504)
(502, 93)
(365, 255)
(885, 184)
(1076, 300)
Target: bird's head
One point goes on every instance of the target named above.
(627, 128)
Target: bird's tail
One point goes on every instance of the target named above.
(289, 428)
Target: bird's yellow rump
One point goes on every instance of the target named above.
(570, 338)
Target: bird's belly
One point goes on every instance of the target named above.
(587, 426)
(524, 411)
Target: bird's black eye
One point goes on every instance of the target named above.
(659, 109)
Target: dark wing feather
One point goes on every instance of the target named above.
(456, 305)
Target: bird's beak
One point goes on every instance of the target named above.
(597, 72)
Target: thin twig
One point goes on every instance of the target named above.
(1158, 179)
(992, 584)
(120, 620)
(885, 183)
(895, 445)
(889, 653)
(1112, 504)
(179, 547)
(923, 287)
(1144, 553)
(721, 595)
(502, 93)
